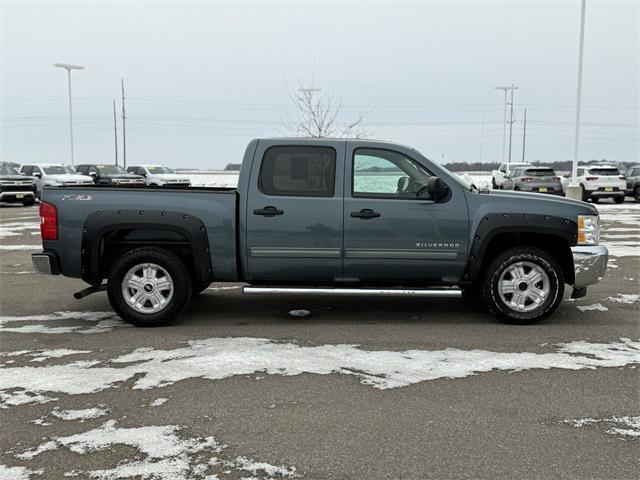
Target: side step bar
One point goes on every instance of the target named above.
(432, 292)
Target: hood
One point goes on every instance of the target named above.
(69, 177)
(16, 178)
(532, 202)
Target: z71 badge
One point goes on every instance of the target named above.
(82, 198)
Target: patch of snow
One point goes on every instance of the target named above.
(22, 397)
(622, 248)
(221, 358)
(597, 306)
(626, 426)
(100, 322)
(625, 298)
(21, 247)
(167, 454)
(299, 313)
(80, 414)
(158, 401)
(42, 355)
(17, 473)
(17, 228)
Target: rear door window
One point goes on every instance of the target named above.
(603, 172)
(298, 171)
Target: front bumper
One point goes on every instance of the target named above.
(589, 264)
(46, 263)
(16, 197)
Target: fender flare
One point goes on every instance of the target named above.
(103, 222)
(494, 224)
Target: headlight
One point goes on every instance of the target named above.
(588, 230)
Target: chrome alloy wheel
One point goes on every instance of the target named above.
(147, 288)
(523, 286)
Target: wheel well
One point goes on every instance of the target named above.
(556, 246)
(116, 243)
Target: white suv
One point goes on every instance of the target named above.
(498, 177)
(159, 175)
(55, 175)
(600, 181)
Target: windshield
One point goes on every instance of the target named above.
(7, 170)
(69, 169)
(110, 169)
(540, 172)
(605, 171)
(159, 170)
(54, 170)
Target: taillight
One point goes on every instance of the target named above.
(526, 179)
(557, 179)
(590, 179)
(622, 177)
(48, 221)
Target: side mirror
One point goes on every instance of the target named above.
(93, 174)
(437, 189)
(39, 175)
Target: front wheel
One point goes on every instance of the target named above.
(149, 287)
(618, 199)
(494, 185)
(636, 195)
(523, 285)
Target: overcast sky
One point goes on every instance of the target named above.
(203, 78)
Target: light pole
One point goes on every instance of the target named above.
(573, 189)
(68, 68)
(512, 87)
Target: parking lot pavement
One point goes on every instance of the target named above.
(380, 388)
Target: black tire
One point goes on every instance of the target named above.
(585, 195)
(618, 199)
(494, 185)
(29, 202)
(636, 195)
(174, 266)
(531, 255)
(595, 199)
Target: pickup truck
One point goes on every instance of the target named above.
(327, 216)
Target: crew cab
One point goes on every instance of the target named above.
(159, 175)
(105, 174)
(16, 188)
(600, 181)
(328, 216)
(54, 175)
(499, 176)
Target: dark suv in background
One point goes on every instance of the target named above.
(633, 182)
(106, 174)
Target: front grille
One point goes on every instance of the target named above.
(15, 188)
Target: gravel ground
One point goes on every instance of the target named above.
(382, 388)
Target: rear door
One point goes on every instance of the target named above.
(294, 213)
(390, 234)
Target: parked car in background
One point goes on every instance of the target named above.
(54, 175)
(534, 179)
(633, 182)
(105, 174)
(599, 181)
(159, 175)
(499, 176)
(16, 188)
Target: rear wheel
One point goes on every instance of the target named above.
(523, 285)
(636, 195)
(585, 195)
(618, 199)
(494, 185)
(149, 287)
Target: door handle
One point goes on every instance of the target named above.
(365, 213)
(269, 211)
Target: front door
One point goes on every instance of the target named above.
(394, 233)
(294, 213)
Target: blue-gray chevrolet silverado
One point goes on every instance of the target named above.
(328, 216)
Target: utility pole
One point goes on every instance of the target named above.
(481, 138)
(124, 128)
(524, 134)
(68, 68)
(511, 120)
(505, 89)
(574, 190)
(115, 131)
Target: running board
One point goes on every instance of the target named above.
(433, 292)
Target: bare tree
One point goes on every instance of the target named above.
(319, 117)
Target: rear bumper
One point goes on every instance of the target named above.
(46, 263)
(589, 264)
(604, 194)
